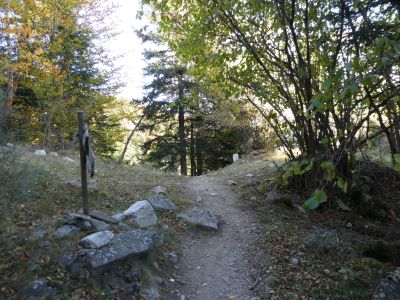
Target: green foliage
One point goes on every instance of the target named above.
(323, 69)
(295, 169)
(317, 198)
(51, 70)
(323, 242)
(396, 166)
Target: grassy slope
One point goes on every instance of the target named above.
(33, 194)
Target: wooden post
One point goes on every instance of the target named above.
(83, 165)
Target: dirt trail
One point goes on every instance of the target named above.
(219, 265)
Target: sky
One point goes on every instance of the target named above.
(127, 47)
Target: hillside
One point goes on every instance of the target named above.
(257, 242)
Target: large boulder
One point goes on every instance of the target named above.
(97, 239)
(141, 214)
(389, 287)
(126, 245)
(201, 217)
(160, 201)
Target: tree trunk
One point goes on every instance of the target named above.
(121, 158)
(182, 138)
(193, 171)
(199, 156)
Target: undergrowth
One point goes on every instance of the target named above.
(36, 192)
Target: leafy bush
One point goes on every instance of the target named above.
(325, 242)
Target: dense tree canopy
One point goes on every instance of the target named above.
(182, 120)
(50, 69)
(318, 71)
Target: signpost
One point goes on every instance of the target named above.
(87, 160)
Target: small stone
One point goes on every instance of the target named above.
(389, 287)
(38, 289)
(142, 214)
(249, 175)
(159, 190)
(172, 257)
(235, 157)
(152, 294)
(69, 160)
(40, 152)
(82, 221)
(172, 280)
(273, 196)
(182, 297)
(9, 145)
(100, 225)
(231, 182)
(66, 230)
(295, 261)
(158, 280)
(349, 225)
(53, 154)
(96, 214)
(98, 239)
(160, 201)
(201, 217)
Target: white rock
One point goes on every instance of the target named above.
(235, 157)
(53, 154)
(68, 160)
(142, 214)
(294, 261)
(9, 145)
(40, 152)
(98, 239)
(159, 190)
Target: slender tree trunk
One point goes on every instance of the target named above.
(182, 137)
(5, 103)
(199, 155)
(182, 140)
(193, 171)
(121, 158)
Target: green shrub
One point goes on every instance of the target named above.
(323, 242)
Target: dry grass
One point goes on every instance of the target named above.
(44, 196)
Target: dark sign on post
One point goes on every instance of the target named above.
(87, 159)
